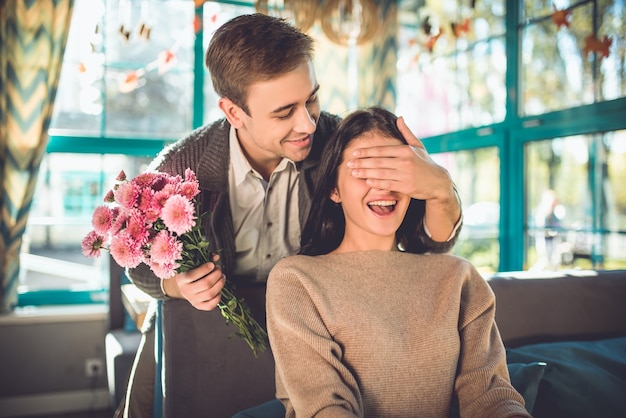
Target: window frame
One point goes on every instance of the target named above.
(509, 136)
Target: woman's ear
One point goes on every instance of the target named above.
(231, 111)
(334, 196)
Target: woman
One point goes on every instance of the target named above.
(363, 323)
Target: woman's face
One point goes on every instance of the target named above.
(372, 215)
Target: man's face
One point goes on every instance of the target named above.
(283, 115)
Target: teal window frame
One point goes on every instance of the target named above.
(509, 136)
(77, 144)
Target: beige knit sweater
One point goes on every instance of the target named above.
(386, 334)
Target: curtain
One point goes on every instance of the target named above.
(33, 34)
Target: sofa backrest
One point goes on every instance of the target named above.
(539, 307)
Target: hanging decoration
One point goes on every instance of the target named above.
(350, 22)
(460, 29)
(592, 43)
(599, 46)
(163, 63)
(344, 22)
(125, 18)
(430, 33)
(561, 17)
(442, 24)
(302, 13)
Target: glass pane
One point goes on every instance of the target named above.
(559, 203)
(476, 174)
(612, 69)
(614, 214)
(128, 70)
(215, 15)
(552, 66)
(458, 81)
(558, 67)
(69, 188)
(538, 8)
(149, 68)
(78, 103)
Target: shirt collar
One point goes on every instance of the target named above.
(240, 165)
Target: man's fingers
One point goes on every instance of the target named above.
(411, 139)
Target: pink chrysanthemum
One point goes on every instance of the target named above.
(172, 187)
(190, 176)
(145, 199)
(163, 271)
(127, 194)
(125, 250)
(136, 227)
(165, 249)
(118, 220)
(189, 189)
(178, 214)
(92, 244)
(159, 198)
(102, 219)
(109, 197)
(160, 181)
(145, 180)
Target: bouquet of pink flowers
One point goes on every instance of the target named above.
(152, 219)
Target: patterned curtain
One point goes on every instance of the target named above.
(33, 34)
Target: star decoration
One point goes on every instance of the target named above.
(561, 17)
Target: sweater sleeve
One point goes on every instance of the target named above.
(482, 385)
(311, 380)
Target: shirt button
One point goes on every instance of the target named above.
(268, 256)
(269, 224)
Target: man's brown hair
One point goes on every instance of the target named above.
(252, 48)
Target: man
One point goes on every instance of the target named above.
(256, 168)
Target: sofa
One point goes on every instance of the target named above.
(565, 335)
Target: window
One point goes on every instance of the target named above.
(477, 173)
(510, 103)
(128, 87)
(454, 73)
(551, 98)
(576, 211)
(570, 74)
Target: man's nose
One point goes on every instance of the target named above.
(305, 123)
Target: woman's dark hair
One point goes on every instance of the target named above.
(326, 224)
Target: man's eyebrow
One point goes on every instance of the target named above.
(290, 105)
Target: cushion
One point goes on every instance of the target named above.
(525, 378)
(580, 379)
(269, 409)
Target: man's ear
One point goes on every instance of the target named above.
(334, 195)
(232, 112)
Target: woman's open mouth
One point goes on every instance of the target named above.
(382, 207)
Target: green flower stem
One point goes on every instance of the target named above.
(237, 312)
(234, 310)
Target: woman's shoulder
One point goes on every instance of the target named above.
(298, 261)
